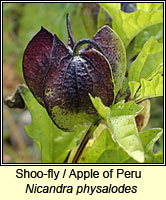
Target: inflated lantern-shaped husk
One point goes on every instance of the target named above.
(62, 79)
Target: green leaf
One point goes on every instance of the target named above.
(148, 61)
(133, 85)
(54, 143)
(96, 146)
(126, 135)
(102, 149)
(159, 71)
(111, 8)
(128, 25)
(121, 108)
(103, 18)
(136, 45)
(89, 17)
(149, 89)
(150, 137)
(149, 158)
(94, 17)
(113, 156)
(154, 157)
(156, 72)
(100, 107)
(124, 85)
(121, 121)
(148, 7)
(123, 92)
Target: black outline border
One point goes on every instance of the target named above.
(88, 164)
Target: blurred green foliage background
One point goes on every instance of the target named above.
(21, 21)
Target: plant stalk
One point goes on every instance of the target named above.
(84, 141)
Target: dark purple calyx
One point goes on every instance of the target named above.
(71, 79)
(114, 51)
(61, 78)
(36, 62)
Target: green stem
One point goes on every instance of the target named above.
(85, 140)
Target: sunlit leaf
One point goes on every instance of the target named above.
(126, 135)
(102, 149)
(129, 108)
(96, 146)
(150, 137)
(149, 89)
(133, 85)
(149, 6)
(123, 127)
(128, 25)
(136, 45)
(148, 61)
(158, 71)
(154, 157)
(100, 107)
(113, 156)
